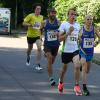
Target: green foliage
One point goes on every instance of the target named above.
(1, 5)
(84, 7)
(25, 7)
(20, 8)
(80, 19)
(96, 61)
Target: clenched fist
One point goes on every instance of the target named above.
(70, 30)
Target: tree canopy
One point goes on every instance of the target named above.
(84, 7)
(24, 7)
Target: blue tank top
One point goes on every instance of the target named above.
(87, 41)
(51, 39)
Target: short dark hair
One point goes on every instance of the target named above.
(51, 10)
(35, 5)
(74, 9)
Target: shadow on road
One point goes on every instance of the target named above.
(21, 82)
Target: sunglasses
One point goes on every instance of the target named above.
(88, 19)
(73, 14)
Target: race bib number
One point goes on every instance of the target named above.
(36, 25)
(51, 36)
(73, 39)
(88, 42)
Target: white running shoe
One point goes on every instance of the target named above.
(37, 67)
(28, 61)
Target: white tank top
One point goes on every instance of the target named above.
(70, 45)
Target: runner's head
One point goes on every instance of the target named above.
(52, 13)
(37, 8)
(88, 20)
(72, 14)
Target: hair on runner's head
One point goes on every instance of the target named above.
(51, 10)
(74, 9)
(35, 5)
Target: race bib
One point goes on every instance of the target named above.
(73, 39)
(36, 25)
(51, 36)
(88, 42)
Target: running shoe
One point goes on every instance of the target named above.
(28, 61)
(86, 92)
(52, 82)
(77, 90)
(38, 67)
(60, 87)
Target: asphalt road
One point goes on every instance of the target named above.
(21, 82)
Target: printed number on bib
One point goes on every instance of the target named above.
(51, 36)
(73, 39)
(88, 42)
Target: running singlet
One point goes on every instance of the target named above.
(70, 44)
(36, 23)
(51, 30)
(87, 41)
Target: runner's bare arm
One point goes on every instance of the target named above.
(27, 24)
(79, 36)
(42, 29)
(42, 26)
(63, 35)
(97, 32)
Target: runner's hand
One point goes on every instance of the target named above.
(29, 25)
(96, 43)
(71, 29)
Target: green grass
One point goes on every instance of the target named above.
(96, 61)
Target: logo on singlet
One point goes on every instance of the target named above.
(36, 25)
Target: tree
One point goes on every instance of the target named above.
(83, 7)
(20, 8)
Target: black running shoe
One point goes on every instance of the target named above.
(52, 82)
(86, 92)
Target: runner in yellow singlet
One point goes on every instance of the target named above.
(33, 22)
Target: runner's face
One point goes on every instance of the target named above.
(72, 15)
(88, 20)
(52, 15)
(37, 10)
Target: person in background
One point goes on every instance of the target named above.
(33, 21)
(51, 41)
(86, 42)
(69, 31)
